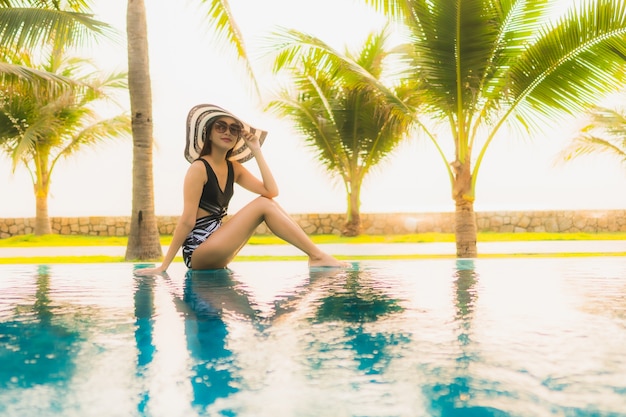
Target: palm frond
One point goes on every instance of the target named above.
(604, 133)
(221, 19)
(12, 74)
(293, 47)
(31, 27)
(588, 144)
(315, 128)
(574, 62)
(373, 55)
(37, 120)
(99, 132)
(518, 23)
(82, 6)
(394, 9)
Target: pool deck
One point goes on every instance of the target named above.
(362, 249)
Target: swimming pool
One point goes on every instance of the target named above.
(486, 337)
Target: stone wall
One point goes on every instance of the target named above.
(590, 221)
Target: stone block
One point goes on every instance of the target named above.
(551, 225)
(565, 224)
(523, 222)
(496, 221)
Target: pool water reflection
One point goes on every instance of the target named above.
(487, 337)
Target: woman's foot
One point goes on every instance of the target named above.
(326, 260)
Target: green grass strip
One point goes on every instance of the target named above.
(80, 240)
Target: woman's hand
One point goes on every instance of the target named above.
(144, 272)
(252, 141)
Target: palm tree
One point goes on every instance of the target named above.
(30, 24)
(484, 65)
(343, 109)
(39, 125)
(143, 240)
(605, 133)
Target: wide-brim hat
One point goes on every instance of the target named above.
(197, 121)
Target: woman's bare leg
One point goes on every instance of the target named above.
(222, 246)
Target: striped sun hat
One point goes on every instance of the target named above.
(197, 120)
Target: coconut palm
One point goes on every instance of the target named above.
(343, 109)
(30, 24)
(39, 125)
(605, 133)
(488, 65)
(143, 240)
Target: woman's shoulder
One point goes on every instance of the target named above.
(199, 162)
(197, 169)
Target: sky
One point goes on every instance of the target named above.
(188, 67)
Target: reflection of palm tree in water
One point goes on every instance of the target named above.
(465, 301)
(34, 348)
(354, 302)
(453, 399)
(450, 398)
(466, 297)
(358, 302)
(144, 324)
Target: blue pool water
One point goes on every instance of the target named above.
(488, 337)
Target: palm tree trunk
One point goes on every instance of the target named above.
(42, 219)
(465, 219)
(41, 187)
(465, 230)
(143, 240)
(353, 221)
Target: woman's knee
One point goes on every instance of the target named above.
(265, 203)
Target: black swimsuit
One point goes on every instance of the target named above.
(215, 201)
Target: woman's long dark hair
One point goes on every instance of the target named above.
(206, 133)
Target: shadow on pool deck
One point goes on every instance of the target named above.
(361, 249)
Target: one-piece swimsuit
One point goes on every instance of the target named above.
(215, 201)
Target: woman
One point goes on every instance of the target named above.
(217, 145)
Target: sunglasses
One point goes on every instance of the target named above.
(221, 127)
